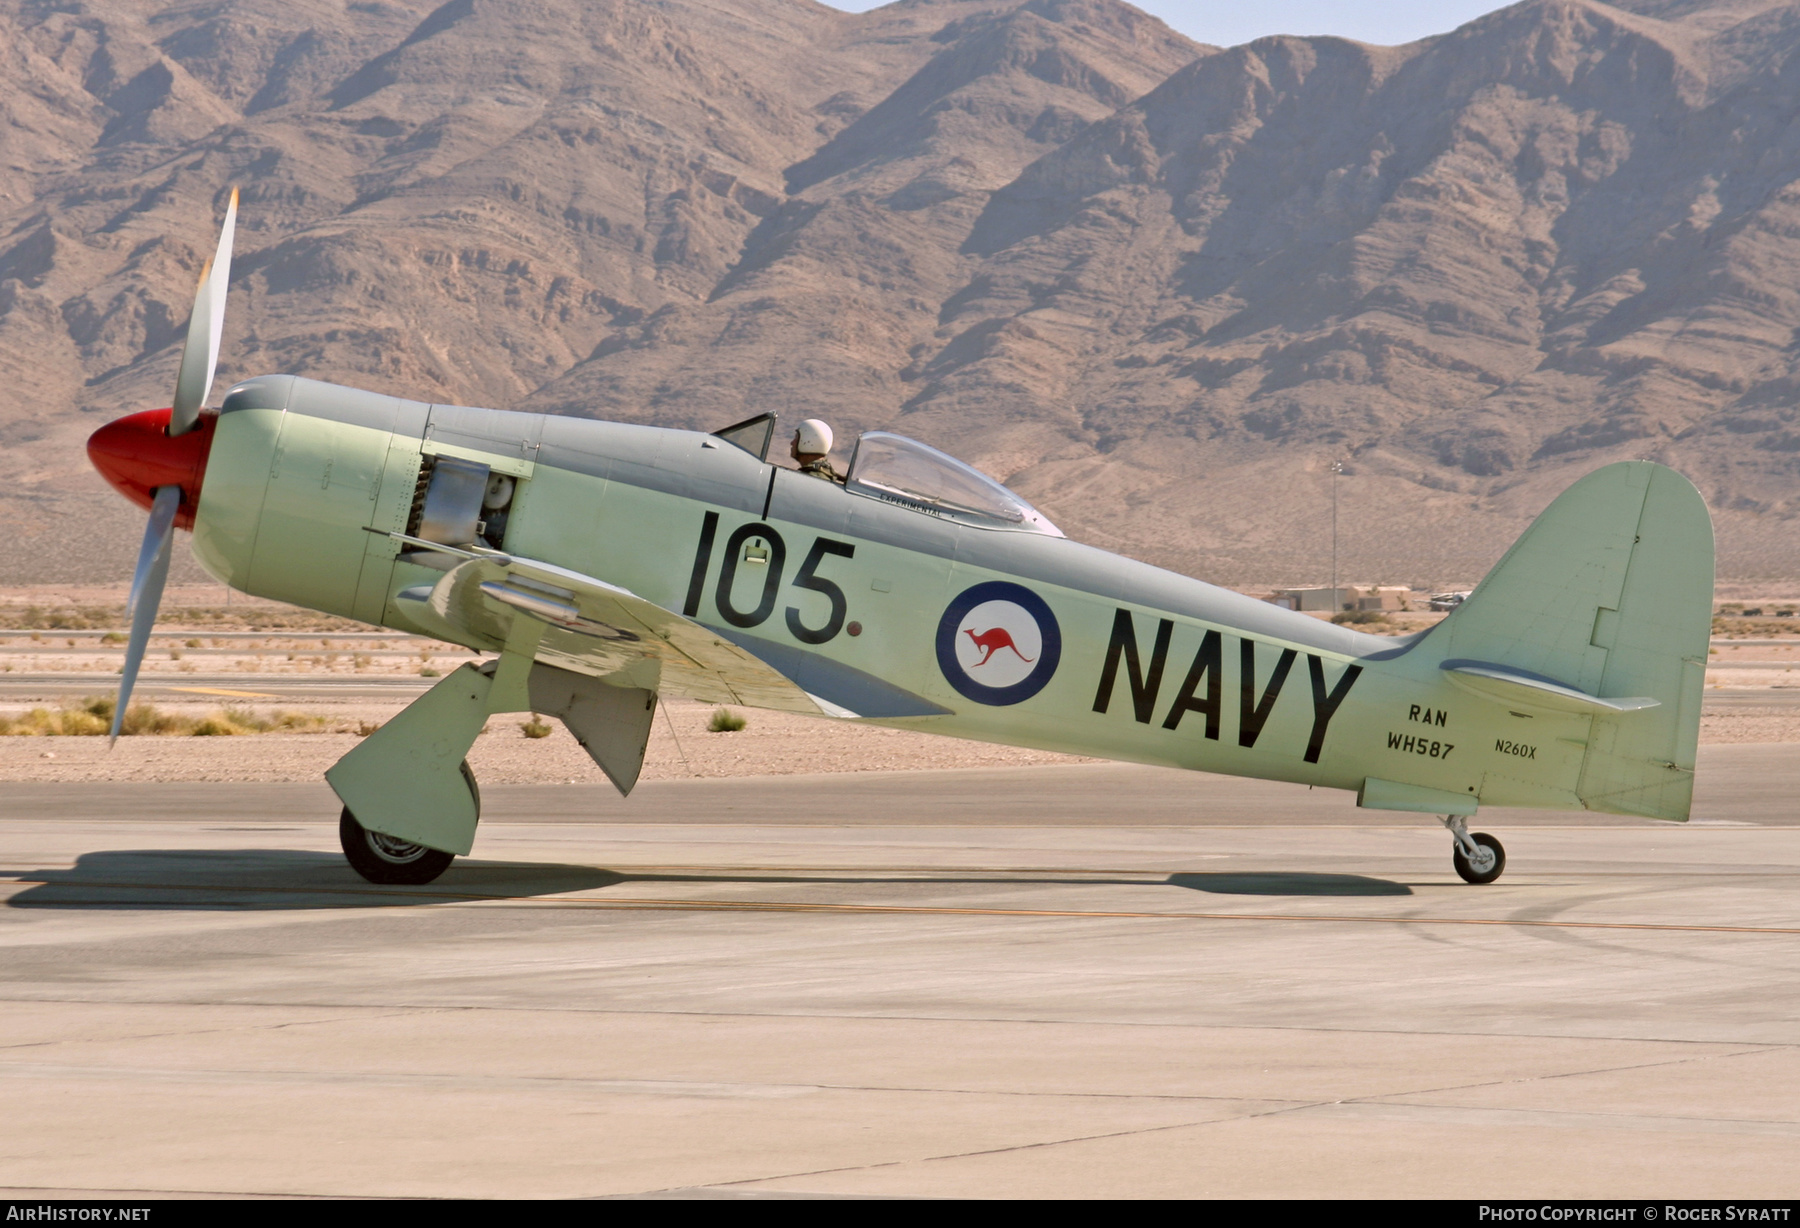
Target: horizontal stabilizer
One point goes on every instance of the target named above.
(1522, 689)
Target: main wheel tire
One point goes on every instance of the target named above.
(1484, 873)
(385, 860)
(388, 861)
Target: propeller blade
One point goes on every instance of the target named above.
(146, 592)
(163, 506)
(200, 353)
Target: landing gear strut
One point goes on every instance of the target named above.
(391, 861)
(1478, 857)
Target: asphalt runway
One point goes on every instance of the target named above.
(1080, 980)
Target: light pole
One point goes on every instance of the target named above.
(1337, 597)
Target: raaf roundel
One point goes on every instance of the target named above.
(599, 565)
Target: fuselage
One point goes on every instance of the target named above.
(891, 613)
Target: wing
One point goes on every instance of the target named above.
(596, 628)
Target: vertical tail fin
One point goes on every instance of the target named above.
(1610, 591)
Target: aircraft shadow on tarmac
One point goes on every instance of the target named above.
(265, 879)
(1288, 883)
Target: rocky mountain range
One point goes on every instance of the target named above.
(1159, 287)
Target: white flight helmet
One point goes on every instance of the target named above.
(813, 436)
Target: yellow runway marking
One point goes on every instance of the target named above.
(630, 904)
(207, 690)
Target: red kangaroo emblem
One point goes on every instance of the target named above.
(991, 642)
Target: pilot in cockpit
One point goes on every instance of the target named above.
(812, 449)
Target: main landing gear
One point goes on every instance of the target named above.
(1478, 857)
(390, 861)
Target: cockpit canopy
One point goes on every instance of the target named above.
(904, 471)
(899, 470)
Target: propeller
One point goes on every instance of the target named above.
(120, 446)
(200, 352)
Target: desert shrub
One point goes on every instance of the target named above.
(1746, 626)
(66, 721)
(1360, 618)
(63, 618)
(243, 719)
(92, 717)
(724, 720)
(536, 727)
(147, 720)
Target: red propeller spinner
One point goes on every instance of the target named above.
(136, 455)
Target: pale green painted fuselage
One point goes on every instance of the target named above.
(306, 481)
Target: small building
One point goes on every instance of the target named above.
(1345, 597)
(1383, 597)
(1310, 600)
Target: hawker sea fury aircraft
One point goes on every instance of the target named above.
(598, 565)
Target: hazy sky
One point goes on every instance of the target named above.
(1229, 22)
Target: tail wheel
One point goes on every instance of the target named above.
(1486, 865)
(390, 861)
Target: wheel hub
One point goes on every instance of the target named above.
(390, 848)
